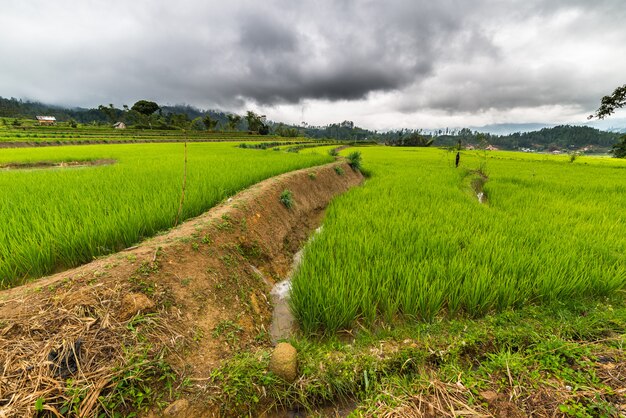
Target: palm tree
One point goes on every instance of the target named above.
(233, 121)
(210, 123)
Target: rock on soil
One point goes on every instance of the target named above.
(134, 303)
(284, 362)
(177, 409)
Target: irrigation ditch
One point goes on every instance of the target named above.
(145, 328)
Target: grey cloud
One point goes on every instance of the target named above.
(280, 51)
(274, 52)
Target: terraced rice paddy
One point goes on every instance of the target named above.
(61, 217)
(60, 134)
(415, 243)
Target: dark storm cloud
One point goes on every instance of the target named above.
(269, 52)
(343, 54)
(447, 55)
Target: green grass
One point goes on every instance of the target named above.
(414, 243)
(59, 218)
(531, 353)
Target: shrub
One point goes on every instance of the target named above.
(333, 152)
(354, 159)
(339, 170)
(619, 149)
(286, 197)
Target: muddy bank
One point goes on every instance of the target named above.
(58, 164)
(183, 302)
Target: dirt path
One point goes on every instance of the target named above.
(193, 296)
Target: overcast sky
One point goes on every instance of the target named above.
(383, 64)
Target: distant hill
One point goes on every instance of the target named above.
(17, 108)
(505, 136)
(509, 128)
(610, 125)
(562, 137)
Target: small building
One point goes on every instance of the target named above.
(46, 120)
(492, 148)
(119, 125)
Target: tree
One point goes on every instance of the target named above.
(233, 121)
(145, 107)
(609, 104)
(619, 149)
(180, 120)
(109, 111)
(210, 123)
(264, 129)
(255, 122)
(416, 139)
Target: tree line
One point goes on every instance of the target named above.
(146, 114)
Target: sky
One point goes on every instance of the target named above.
(383, 64)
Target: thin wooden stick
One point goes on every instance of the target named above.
(182, 196)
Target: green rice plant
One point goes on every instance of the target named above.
(57, 218)
(413, 244)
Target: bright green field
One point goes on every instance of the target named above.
(62, 217)
(415, 243)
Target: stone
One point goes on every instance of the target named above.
(134, 303)
(489, 395)
(284, 362)
(177, 408)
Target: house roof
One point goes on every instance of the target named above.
(49, 118)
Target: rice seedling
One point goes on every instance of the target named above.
(415, 242)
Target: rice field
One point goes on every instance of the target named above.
(61, 217)
(415, 243)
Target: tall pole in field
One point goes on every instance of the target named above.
(182, 195)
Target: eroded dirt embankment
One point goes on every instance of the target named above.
(168, 310)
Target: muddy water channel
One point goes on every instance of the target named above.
(283, 322)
